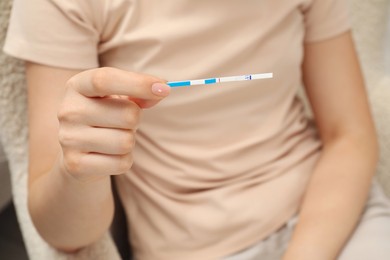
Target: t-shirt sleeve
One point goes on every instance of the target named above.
(325, 19)
(54, 33)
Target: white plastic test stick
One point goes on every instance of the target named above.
(187, 83)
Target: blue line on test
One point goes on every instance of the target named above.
(210, 81)
(179, 84)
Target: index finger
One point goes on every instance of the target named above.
(103, 82)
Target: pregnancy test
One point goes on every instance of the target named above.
(187, 83)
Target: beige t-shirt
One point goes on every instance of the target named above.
(218, 167)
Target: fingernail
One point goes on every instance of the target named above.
(161, 89)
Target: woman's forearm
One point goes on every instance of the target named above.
(68, 213)
(335, 198)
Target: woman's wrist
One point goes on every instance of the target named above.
(57, 201)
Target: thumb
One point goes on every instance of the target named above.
(160, 89)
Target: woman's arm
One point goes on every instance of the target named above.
(78, 137)
(338, 189)
(68, 214)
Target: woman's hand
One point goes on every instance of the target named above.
(98, 119)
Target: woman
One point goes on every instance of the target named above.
(233, 171)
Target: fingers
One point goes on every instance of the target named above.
(104, 141)
(86, 166)
(92, 152)
(103, 82)
(99, 112)
(98, 118)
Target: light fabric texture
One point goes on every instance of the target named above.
(362, 245)
(387, 46)
(204, 154)
(12, 97)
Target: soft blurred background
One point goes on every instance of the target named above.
(11, 242)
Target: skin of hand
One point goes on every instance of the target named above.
(82, 127)
(339, 187)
